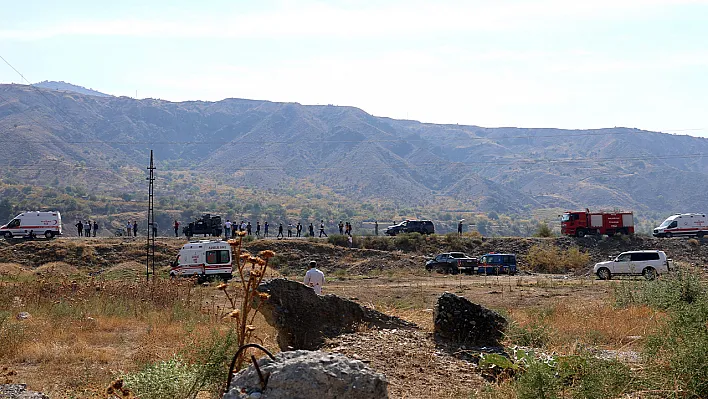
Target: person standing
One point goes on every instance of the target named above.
(227, 229)
(242, 227)
(87, 228)
(248, 228)
(351, 241)
(154, 229)
(176, 225)
(341, 228)
(322, 231)
(376, 227)
(80, 228)
(298, 229)
(135, 228)
(129, 227)
(265, 229)
(280, 231)
(312, 230)
(459, 228)
(258, 229)
(314, 278)
(95, 228)
(290, 230)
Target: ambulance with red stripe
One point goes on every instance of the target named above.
(33, 224)
(684, 224)
(203, 259)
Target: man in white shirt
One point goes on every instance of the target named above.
(314, 278)
(227, 229)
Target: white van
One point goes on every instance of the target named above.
(203, 258)
(685, 224)
(634, 263)
(27, 224)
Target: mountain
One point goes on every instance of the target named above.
(63, 86)
(70, 138)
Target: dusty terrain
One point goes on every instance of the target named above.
(78, 339)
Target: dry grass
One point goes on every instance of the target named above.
(82, 334)
(13, 270)
(57, 269)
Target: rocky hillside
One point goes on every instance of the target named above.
(61, 137)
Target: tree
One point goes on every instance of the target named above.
(6, 210)
(544, 230)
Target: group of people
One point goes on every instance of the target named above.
(131, 227)
(346, 228)
(231, 229)
(85, 229)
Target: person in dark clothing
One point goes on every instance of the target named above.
(322, 231)
(280, 232)
(298, 229)
(349, 229)
(135, 229)
(154, 229)
(176, 226)
(265, 230)
(258, 229)
(248, 228)
(80, 228)
(95, 228)
(341, 228)
(312, 230)
(376, 227)
(459, 228)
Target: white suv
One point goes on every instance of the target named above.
(633, 263)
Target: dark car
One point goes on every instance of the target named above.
(452, 262)
(497, 263)
(411, 226)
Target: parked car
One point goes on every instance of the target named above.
(452, 262)
(411, 226)
(497, 263)
(635, 263)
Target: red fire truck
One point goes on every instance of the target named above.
(581, 223)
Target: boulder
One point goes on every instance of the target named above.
(19, 391)
(459, 321)
(304, 319)
(305, 374)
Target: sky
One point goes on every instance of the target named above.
(543, 63)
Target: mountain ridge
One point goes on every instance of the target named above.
(274, 145)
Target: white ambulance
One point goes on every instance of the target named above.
(32, 224)
(203, 259)
(685, 224)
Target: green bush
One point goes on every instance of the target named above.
(544, 230)
(408, 241)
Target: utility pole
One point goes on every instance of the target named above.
(150, 258)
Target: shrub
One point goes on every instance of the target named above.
(548, 258)
(408, 241)
(694, 243)
(172, 378)
(544, 230)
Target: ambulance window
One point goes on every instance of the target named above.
(673, 224)
(13, 223)
(214, 257)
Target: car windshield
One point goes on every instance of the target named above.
(565, 218)
(666, 223)
(457, 255)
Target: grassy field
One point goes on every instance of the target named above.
(82, 332)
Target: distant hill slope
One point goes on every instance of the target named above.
(81, 138)
(63, 86)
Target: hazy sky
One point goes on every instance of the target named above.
(545, 63)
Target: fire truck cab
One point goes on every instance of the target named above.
(203, 259)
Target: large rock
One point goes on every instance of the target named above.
(304, 319)
(19, 391)
(457, 320)
(305, 375)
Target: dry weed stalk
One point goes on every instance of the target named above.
(251, 271)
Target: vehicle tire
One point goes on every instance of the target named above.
(8, 235)
(649, 273)
(580, 233)
(48, 235)
(604, 274)
(611, 233)
(454, 270)
(700, 234)
(669, 235)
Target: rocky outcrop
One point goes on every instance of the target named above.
(459, 321)
(19, 391)
(304, 319)
(305, 374)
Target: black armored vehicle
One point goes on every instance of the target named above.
(208, 225)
